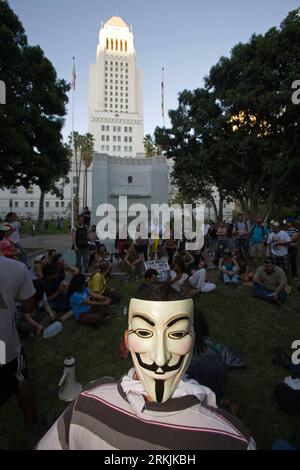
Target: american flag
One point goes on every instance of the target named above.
(74, 75)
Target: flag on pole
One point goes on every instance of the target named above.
(74, 75)
(163, 95)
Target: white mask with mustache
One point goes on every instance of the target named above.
(161, 340)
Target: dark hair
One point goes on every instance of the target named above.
(160, 292)
(150, 273)
(51, 251)
(201, 331)
(9, 215)
(56, 258)
(77, 284)
(179, 261)
(49, 270)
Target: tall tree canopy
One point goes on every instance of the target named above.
(240, 133)
(31, 150)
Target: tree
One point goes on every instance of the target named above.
(87, 153)
(31, 151)
(240, 133)
(150, 146)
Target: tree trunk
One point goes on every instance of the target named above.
(41, 210)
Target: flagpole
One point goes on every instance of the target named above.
(73, 147)
(163, 96)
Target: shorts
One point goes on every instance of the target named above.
(12, 375)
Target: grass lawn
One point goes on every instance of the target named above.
(235, 318)
(52, 228)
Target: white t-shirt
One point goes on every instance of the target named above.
(178, 284)
(15, 236)
(280, 237)
(15, 283)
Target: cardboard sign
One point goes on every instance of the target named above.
(161, 266)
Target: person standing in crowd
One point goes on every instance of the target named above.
(80, 244)
(15, 237)
(278, 243)
(270, 282)
(258, 242)
(293, 233)
(171, 246)
(213, 240)
(222, 234)
(142, 241)
(87, 216)
(241, 232)
(15, 283)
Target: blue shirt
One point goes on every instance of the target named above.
(77, 303)
(258, 234)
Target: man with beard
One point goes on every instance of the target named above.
(151, 408)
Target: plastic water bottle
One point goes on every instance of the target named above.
(53, 330)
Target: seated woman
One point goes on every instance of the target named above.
(187, 257)
(245, 273)
(133, 263)
(219, 253)
(104, 258)
(98, 284)
(197, 281)
(229, 269)
(85, 310)
(178, 276)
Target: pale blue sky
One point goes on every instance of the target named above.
(186, 37)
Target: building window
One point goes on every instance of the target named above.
(126, 139)
(47, 204)
(119, 128)
(121, 106)
(14, 190)
(16, 204)
(107, 128)
(103, 138)
(106, 75)
(103, 147)
(57, 204)
(130, 129)
(114, 129)
(26, 204)
(107, 138)
(114, 148)
(102, 128)
(125, 129)
(62, 204)
(114, 138)
(121, 45)
(119, 148)
(130, 149)
(125, 148)
(32, 204)
(29, 190)
(112, 45)
(107, 148)
(119, 138)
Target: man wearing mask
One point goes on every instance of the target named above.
(151, 408)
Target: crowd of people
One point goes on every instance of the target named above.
(258, 255)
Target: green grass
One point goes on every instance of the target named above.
(235, 318)
(52, 230)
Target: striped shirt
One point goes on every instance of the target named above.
(292, 231)
(101, 418)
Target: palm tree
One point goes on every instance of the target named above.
(87, 153)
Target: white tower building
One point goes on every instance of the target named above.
(116, 116)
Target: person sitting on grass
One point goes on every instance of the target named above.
(270, 282)
(133, 263)
(62, 267)
(245, 273)
(98, 284)
(187, 257)
(219, 253)
(178, 275)
(104, 258)
(197, 281)
(85, 310)
(149, 278)
(229, 269)
(51, 253)
(55, 289)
